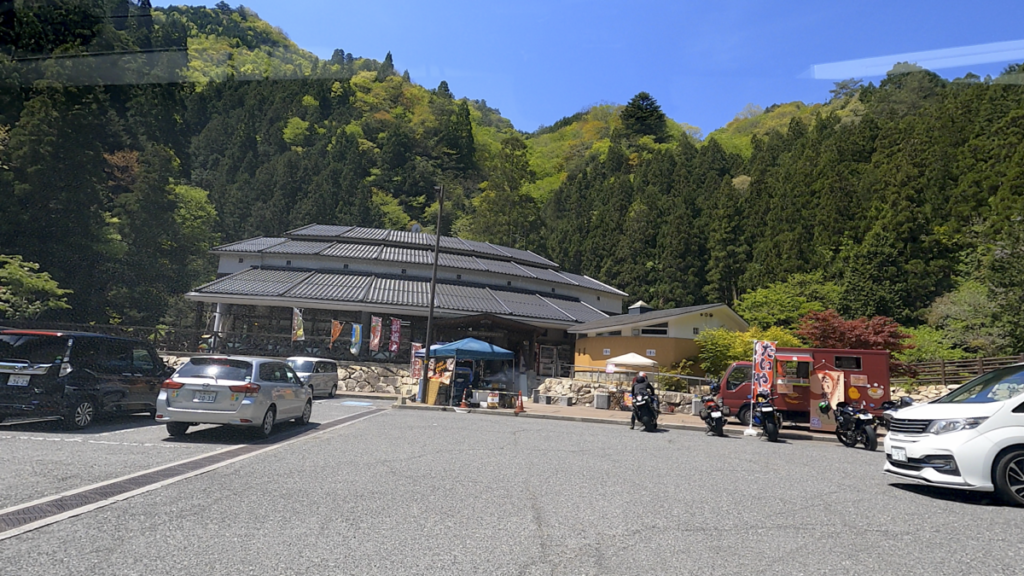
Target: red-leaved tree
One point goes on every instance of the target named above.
(830, 330)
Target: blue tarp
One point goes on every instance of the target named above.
(469, 349)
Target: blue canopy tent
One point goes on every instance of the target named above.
(470, 349)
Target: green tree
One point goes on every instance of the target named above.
(720, 347)
(505, 213)
(25, 293)
(643, 117)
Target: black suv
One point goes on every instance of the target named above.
(76, 375)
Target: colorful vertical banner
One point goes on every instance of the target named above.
(764, 366)
(298, 330)
(396, 336)
(825, 385)
(417, 363)
(335, 332)
(357, 339)
(375, 328)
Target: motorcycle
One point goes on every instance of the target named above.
(766, 416)
(646, 411)
(890, 407)
(854, 425)
(711, 413)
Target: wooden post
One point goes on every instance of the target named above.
(981, 366)
(942, 367)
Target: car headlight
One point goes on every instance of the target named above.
(953, 425)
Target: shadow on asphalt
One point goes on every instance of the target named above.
(239, 436)
(953, 495)
(103, 424)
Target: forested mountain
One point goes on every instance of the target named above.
(901, 199)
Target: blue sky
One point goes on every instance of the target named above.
(538, 61)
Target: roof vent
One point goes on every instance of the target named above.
(640, 308)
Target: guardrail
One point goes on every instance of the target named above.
(946, 372)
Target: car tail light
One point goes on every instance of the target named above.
(171, 385)
(247, 389)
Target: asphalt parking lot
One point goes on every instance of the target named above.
(411, 492)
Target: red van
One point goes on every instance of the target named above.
(865, 380)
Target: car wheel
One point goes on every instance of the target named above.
(307, 411)
(744, 415)
(333, 392)
(1010, 477)
(870, 439)
(80, 414)
(267, 427)
(177, 429)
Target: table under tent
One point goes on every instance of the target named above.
(473, 368)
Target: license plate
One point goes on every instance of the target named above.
(204, 397)
(899, 454)
(716, 414)
(767, 409)
(18, 380)
(865, 416)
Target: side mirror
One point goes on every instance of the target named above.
(906, 401)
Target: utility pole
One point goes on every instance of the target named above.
(433, 289)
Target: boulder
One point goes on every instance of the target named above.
(351, 385)
(343, 374)
(585, 399)
(389, 389)
(359, 376)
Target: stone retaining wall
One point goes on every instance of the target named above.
(582, 392)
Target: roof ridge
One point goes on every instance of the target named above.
(555, 306)
(498, 300)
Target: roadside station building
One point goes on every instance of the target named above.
(512, 298)
(664, 336)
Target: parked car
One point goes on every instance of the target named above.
(233, 390)
(970, 439)
(76, 375)
(321, 374)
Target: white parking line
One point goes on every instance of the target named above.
(84, 509)
(84, 440)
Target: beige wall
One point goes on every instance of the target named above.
(668, 351)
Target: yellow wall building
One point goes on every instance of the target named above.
(665, 336)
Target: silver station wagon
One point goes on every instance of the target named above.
(235, 391)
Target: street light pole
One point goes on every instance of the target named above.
(433, 289)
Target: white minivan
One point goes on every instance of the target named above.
(321, 374)
(970, 439)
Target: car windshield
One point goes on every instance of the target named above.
(220, 368)
(996, 386)
(303, 366)
(32, 349)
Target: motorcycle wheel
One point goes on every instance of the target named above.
(651, 426)
(771, 431)
(718, 427)
(847, 438)
(870, 439)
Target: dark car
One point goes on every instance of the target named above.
(76, 375)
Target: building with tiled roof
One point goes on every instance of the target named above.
(352, 274)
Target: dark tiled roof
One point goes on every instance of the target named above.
(298, 247)
(251, 245)
(367, 233)
(356, 251)
(320, 231)
(357, 289)
(256, 282)
(591, 283)
(408, 255)
(626, 319)
(510, 268)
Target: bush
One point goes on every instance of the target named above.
(720, 347)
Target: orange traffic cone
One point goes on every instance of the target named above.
(463, 404)
(519, 405)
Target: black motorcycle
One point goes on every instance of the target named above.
(854, 425)
(766, 416)
(645, 406)
(711, 413)
(890, 407)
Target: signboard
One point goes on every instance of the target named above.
(417, 363)
(764, 366)
(825, 385)
(335, 332)
(298, 331)
(396, 335)
(609, 368)
(357, 339)
(375, 328)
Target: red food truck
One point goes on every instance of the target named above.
(806, 376)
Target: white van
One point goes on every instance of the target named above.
(321, 374)
(970, 439)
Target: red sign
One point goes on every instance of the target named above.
(375, 328)
(764, 366)
(417, 363)
(396, 335)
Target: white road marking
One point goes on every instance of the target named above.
(103, 503)
(81, 440)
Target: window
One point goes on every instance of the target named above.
(552, 290)
(113, 357)
(848, 362)
(651, 352)
(606, 352)
(996, 386)
(655, 329)
(287, 262)
(739, 376)
(35, 349)
(696, 331)
(598, 298)
(344, 267)
(274, 372)
(613, 333)
(509, 282)
(458, 276)
(220, 368)
(241, 260)
(143, 361)
(403, 270)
